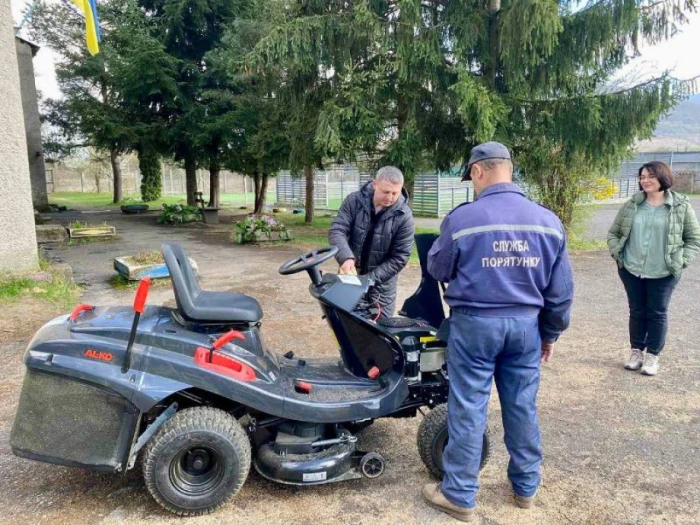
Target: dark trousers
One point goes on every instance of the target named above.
(482, 349)
(648, 301)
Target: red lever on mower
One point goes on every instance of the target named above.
(141, 294)
(79, 310)
(139, 305)
(227, 338)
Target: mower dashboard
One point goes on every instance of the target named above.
(341, 291)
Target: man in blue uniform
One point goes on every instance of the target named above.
(510, 293)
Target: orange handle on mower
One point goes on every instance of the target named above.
(79, 310)
(141, 294)
(227, 338)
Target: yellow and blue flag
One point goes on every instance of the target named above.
(92, 24)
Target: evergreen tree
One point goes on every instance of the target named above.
(419, 82)
(89, 114)
(259, 110)
(162, 70)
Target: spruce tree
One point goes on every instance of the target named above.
(419, 82)
(162, 72)
(89, 113)
(251, 117)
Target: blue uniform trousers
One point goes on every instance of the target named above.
(509, 350)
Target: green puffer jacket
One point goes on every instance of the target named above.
(683, 239)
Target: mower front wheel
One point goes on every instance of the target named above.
(197, 461)
(433, 437)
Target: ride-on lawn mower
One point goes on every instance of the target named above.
(195, 392)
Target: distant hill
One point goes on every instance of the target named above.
(679, 131)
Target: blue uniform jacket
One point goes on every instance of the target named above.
(503, 255)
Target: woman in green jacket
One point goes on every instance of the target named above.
(654, 236)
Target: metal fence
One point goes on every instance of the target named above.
(331, 186)
(433, 195)
(96, 178)
(679, 161)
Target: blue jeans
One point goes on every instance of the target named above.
(480, 349)
(648, 300)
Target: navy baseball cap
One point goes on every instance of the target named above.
(487, 150)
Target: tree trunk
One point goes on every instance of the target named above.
(494, 48)
(402, 119)
(261, 193)
(309, 176)
(408, 184)
(214, 200)
(113, 155)
(116, 174)
(191, 180)
(256, 191)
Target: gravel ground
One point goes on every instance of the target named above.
(619, 447)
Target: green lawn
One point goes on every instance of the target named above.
(85, 201)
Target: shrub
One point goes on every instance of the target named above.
(255, 226)
(179, 214)
(151, 184)
(603, 189)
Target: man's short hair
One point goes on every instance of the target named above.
(390, 174)
(489, 164)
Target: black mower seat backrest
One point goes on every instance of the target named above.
(201, 306)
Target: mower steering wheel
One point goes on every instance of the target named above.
(308, 260)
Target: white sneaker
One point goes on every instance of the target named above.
(651, 365)
(636, 360)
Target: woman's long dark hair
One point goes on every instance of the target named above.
(660, 171)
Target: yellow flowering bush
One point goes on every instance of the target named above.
(602, 188)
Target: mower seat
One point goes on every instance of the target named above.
(200, 306)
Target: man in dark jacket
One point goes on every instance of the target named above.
(510, 293)
(374, 234)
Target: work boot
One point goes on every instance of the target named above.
(651, 365)
(524, 502)
(433, 496)
(636, 360)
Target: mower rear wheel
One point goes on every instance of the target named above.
(197, 461)
(432, 439)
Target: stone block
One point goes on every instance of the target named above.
(47, 233)
(211, 215)
(92, 231)
(134, 271)
(41, 277)
(268, 237)
(63, 271)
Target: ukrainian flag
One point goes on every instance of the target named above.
(92, 25)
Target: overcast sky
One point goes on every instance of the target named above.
(680, 55)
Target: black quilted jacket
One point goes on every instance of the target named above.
(391, 245)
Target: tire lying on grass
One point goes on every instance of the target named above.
(432, 438)
(197, 461)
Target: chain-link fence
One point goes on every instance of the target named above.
(97, 178)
